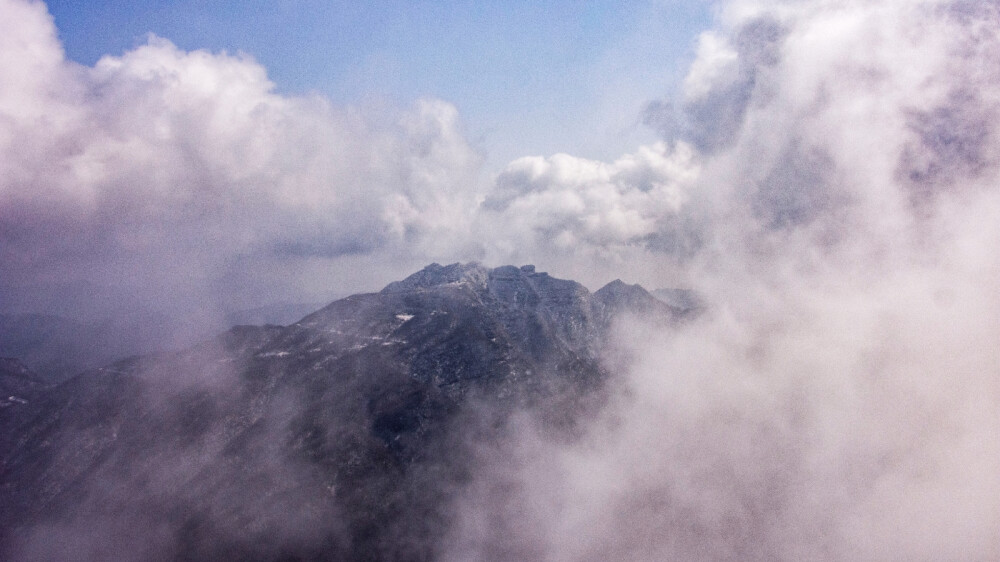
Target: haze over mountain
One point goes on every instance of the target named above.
(824, 177)
(343, 436)
(58, 347)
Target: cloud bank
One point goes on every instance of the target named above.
(840, 397)
(182, 177)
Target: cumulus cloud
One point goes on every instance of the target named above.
(178, 175)
(591, 218)
(572, 201)
(839, 397)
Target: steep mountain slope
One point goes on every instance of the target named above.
(339, 437)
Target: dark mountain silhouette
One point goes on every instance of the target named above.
(339, 437)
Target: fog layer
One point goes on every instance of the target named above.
(839, 399)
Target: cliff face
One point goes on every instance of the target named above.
(341, 436)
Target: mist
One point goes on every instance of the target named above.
(839, 397)
(827, 181)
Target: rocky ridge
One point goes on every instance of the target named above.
(341, 436)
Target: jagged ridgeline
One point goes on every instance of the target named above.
(340, 437)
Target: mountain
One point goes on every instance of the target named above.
(618, 296)
(339, 437)
(17, 382)
(685, 301)
(56, 347)
(20, 387)
(277, 313)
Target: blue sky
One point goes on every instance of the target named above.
(527, 77)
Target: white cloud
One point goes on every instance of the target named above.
(164, 169)
(839, 398)
(716, 66)
(568, 208)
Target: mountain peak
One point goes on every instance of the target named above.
(472, 273)
(619, 290)
(620, 296)
(436, 274)
(363, 398)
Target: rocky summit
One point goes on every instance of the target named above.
(339, 437)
